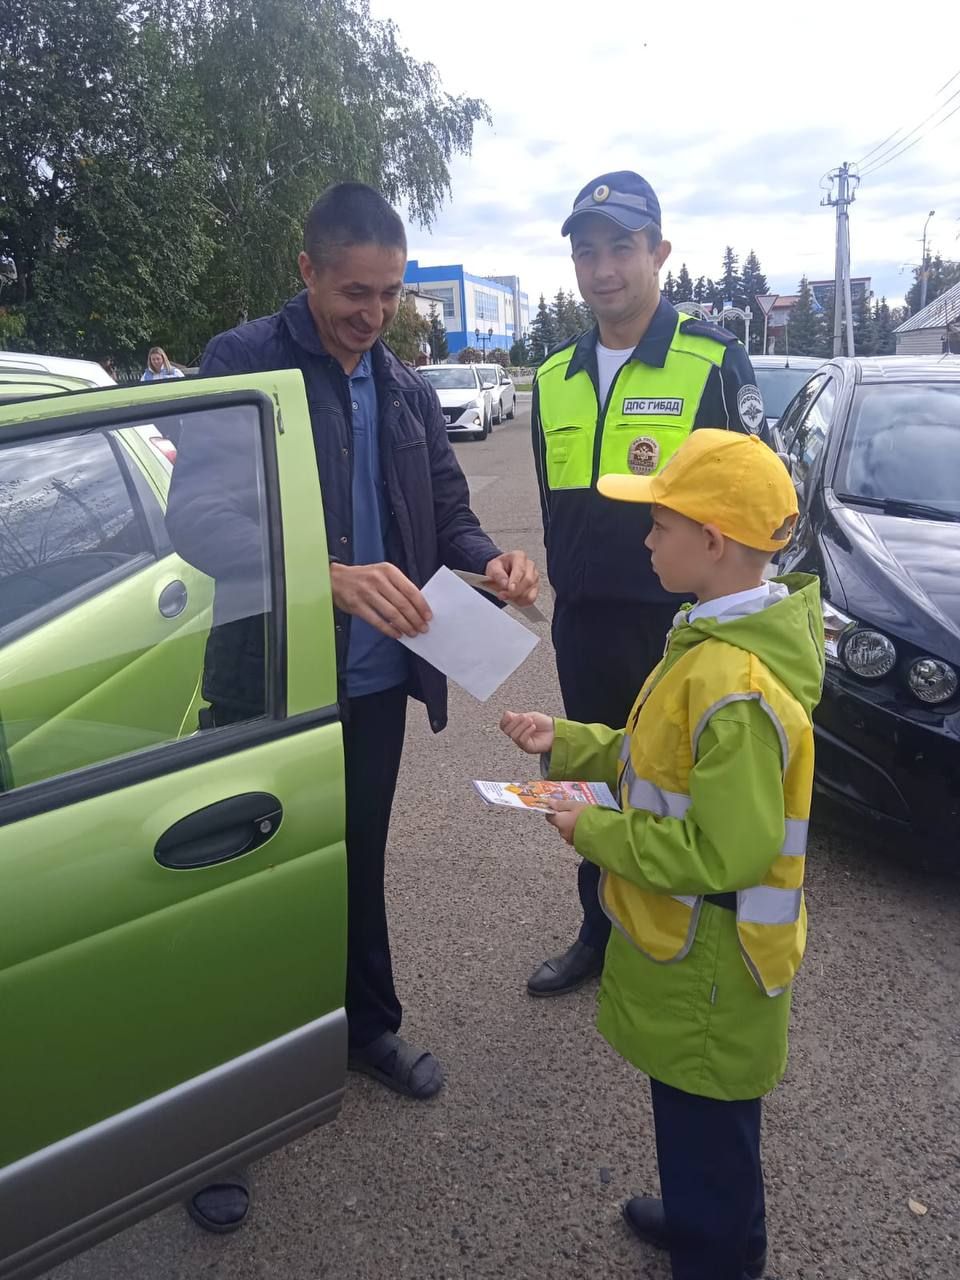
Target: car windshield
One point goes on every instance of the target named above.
(779, 386)
(488, 372)
(903, 445)
(452, 379)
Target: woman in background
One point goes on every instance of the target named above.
(159, 367)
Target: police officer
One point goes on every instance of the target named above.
(620, 398)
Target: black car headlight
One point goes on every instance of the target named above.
(931, 680)
(868, 653)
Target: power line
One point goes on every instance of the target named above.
(936, 111)
(881, 145)
(897, 154)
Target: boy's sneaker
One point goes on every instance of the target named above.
(645, 1217)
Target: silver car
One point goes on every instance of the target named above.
(503, 393)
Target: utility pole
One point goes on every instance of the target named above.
(847, 184)
(924, 265)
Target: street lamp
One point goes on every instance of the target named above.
(477, 335)
(923, 262)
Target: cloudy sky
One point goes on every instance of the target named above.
(733, 112)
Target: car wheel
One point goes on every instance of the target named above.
(499, 418)
(513, 410)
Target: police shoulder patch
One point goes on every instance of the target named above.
(703, 329)
(750, 408)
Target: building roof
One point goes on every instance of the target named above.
(785, 301)
(935, 315)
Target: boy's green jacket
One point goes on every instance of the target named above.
(702, 1024)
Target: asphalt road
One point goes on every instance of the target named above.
(519, 1168)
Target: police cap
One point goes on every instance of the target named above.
(623, 197)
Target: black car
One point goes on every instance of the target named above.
(874, 448)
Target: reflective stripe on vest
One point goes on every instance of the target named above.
(771, 916)
(648, 415)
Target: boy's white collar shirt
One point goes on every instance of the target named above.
(737, 604)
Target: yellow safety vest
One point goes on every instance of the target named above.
(648, 415)
(659, 751)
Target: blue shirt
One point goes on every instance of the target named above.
(374, 662)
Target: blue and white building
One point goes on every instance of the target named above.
(473, 304)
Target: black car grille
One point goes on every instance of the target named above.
(452, 415)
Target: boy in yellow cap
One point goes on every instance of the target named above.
(702, 871)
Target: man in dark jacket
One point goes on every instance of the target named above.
(396, 507)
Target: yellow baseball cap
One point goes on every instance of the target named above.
(722, 478)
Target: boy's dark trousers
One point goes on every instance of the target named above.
(604, 654)
(711, 1182)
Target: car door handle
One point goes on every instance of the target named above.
(173, 599)
(220, 832)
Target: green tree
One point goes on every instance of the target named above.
(103, 177)
(438, 336)
(670, 288)
(543, 332)
(804, 326)
(408, 331)
(729, 286)
(886, 343)
(519, 355)
(942, 275)
(684, 289)
(864, 328)
(498, 356)
(469, 355)
(153, 193)
(753, 284)
(704, 290)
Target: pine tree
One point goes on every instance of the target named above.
(804, 326)
(670, 288)
(543, 332)
(585, 317)
(754, 284)
(564, 322)
(864, 328)
(684, 285)
(438, 337)
(703, 290)
(519, 354)
(886, 343)
(729, 285)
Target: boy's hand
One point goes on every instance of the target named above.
(530, 730)
(564, 817)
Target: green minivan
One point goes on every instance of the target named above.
(172, 898)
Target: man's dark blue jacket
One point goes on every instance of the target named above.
(431, 523)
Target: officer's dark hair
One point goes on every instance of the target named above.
(654, 236)
(348, 214)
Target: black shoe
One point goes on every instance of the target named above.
(223, 1206)
(645, 1217)
(561, 974)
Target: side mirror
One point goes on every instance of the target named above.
(488, 386)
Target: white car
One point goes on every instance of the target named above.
(465, 397)
(503, 392)
(54, 373)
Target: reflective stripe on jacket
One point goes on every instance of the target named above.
(659, 750)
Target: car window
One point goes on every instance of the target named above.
(452, 378)
(903, 444)
(778, 387)
(67, 520)
(795, 411)
(112, 640)
(811, 434)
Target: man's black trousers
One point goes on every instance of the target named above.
(604, 654)
(373, 729)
